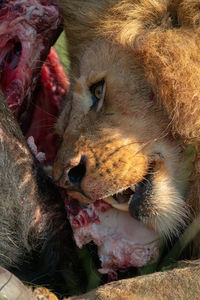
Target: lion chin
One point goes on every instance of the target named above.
(116, 142)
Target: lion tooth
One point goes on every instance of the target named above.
(132, 188)
(110, 200)
(121, 206)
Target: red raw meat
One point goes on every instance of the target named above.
(54, 85)
(27, 31)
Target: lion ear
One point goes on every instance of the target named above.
(171, 63)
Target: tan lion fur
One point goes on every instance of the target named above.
(138, 47)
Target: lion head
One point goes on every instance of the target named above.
(117, 143)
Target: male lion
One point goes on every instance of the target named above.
(132, 111)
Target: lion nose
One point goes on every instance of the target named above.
(72, 173)
(76, 173)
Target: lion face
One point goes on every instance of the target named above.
(116, 142)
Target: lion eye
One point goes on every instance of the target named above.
(97, 92)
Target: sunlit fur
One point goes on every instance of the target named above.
(140, 46)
